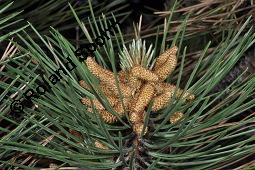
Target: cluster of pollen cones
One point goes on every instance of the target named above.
(138, 86)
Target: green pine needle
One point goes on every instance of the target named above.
(206, 138)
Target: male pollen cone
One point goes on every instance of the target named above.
(169, 64)
(136, 117)
(100, 145)
(164, 56)
(89, 102)
(146, 93)
(176, 117)
(144, 74)
(161, 101)
(107, 116)
(107, 77)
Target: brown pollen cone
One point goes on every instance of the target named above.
(107, 77)
(136, 117)
(105, 89)
(96, 103)
(146, 93)
(134, 82)
(176, 117)
(144, 74)
(138, 127)
(161, 101)
(107, 116)
(187, 96)
(122, 75)
(164, 57)
(98, 71)
(100, 145)
(166, 68)
(119, 106)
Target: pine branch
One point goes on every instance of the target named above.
(58, 127)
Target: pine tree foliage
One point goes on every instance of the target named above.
(7, 21)
(215, 132)
(56, 13)
(207, 19)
